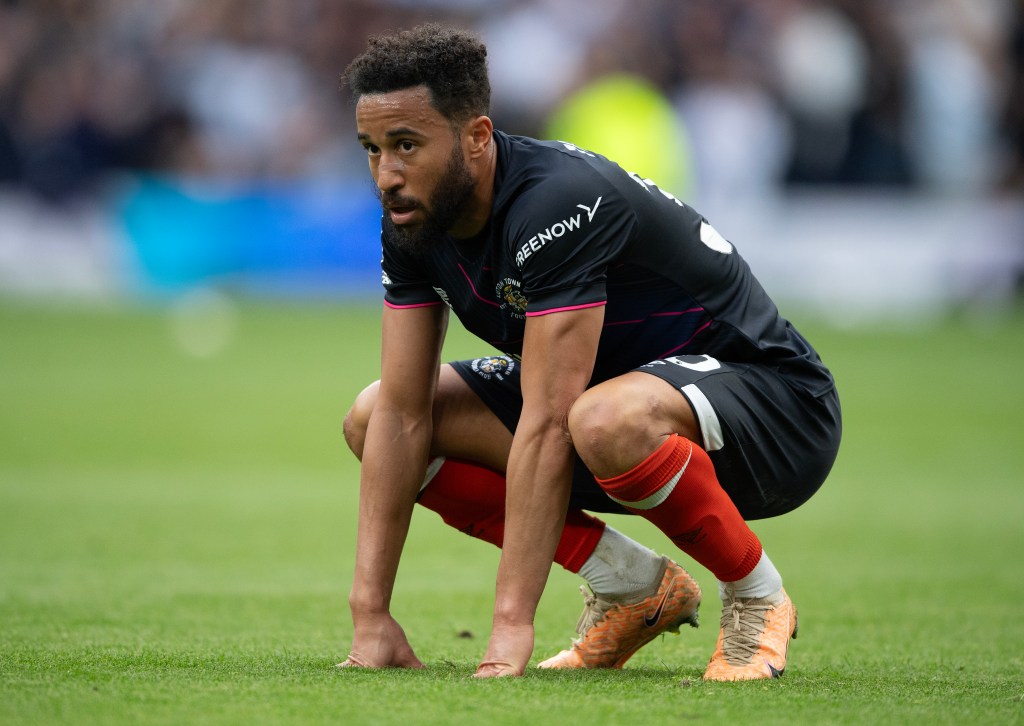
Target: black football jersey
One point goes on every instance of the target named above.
(570, 229)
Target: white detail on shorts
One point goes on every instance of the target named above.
(710, 426)
(704, 366)
(432, 468)
(659, 496)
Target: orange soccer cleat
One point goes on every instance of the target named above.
(612, 630)
(754, 639)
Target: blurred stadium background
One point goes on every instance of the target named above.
(867, 156)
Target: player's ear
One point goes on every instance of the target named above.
(478, 131)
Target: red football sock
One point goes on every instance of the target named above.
(471, 498)
(676, 489)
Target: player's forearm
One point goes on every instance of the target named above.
(539, 480)
(394, 459)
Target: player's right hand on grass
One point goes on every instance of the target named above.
(380, 642)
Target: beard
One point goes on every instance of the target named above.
(446, 204)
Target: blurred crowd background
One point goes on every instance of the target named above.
(898, 92)
(163, 108)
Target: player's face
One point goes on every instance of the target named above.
(417, 164)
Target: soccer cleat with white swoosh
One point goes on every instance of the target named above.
(611, 630)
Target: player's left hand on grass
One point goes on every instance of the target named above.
(508, 652)
(380, 643)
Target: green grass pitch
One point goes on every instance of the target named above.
(177, 534)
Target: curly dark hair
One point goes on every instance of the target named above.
(451, 63)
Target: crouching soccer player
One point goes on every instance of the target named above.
(643, 370)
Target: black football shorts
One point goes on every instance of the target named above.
(772, 443)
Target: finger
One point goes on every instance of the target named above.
(497, 669)
(408, 661)
(353, 661)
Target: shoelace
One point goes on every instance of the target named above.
(594, 609)
(742, 624)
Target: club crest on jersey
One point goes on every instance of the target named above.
(495, 366)
(510, 294)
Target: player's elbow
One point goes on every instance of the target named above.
(545, 425)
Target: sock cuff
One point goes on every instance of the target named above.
(652, 473)
(579, 539)
(751, 556)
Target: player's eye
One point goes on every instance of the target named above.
(371, 149)
(406, 145)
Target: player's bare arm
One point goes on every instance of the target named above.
(558, 359)
(395, 454)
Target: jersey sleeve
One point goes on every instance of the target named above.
(405, 284)
(563, 234)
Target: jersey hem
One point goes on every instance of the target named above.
(395, 306)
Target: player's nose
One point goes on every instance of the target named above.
(390, 175)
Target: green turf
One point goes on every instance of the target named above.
(176, 539)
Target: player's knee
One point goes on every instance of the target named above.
(615, 425)
(598, 424)
(358, 417)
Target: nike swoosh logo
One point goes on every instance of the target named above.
(651, 620)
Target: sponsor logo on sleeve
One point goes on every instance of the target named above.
(555, 231)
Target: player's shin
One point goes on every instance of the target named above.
(677, 490)
(471, 498)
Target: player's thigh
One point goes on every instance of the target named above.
(464, 426)
(496, 382)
